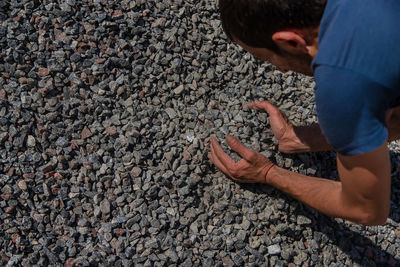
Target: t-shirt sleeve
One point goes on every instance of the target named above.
(351, 110)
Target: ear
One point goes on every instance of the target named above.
(291, 42)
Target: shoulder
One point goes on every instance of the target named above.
(362, 35)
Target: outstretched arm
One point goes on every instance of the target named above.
(362, 195)
(295, 139)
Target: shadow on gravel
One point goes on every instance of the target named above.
(366, 246)
(395, 197)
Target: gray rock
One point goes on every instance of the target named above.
(105, 206)
(31, 142)
(274, 250)
(302, 220)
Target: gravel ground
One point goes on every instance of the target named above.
(106, 107)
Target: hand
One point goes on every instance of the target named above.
(280, 125)
(251, 169)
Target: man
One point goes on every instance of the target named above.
(352, 49)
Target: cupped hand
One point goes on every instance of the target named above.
(280, 125)
(252, 168)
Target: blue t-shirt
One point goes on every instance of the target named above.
(357, 72)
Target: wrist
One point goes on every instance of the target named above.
(292, 144)
(268, 172)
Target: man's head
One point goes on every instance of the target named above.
(282, 27)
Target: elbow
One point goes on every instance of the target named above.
(373, 220)
(374, 217)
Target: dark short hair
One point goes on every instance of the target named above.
(254, 22)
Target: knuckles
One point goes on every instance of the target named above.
(234, 171)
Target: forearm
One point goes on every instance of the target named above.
(310, 138)
(323, 195)
(305, 139)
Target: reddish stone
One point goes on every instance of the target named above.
(17, 18)
(82, 44)
(6, 196)
(4, 257)
(143, 131)
(227, 261)
(15, 237)
(86, 133)
(117, 14)
(259, 232)
(194, 83)
(136, 171)
(43, 72)
(70, 262)
(6, 74)
(58, 229)
(88, 166)
(43, 91)
(114, 243)
(28, 175)
(74, 145)
(100, 60)
(159, 22)
(209, 124)
(51, 151)
(112, 131)
(186, 155)
(90, 79)
(60, 36)
(10, 171)
(119, 231)
(55, 190)
(37, 19)
(141, 94)
(73, 164)
(3, 94)
(92, 148)
(49, 174)
(57, 175)
(9, 209)
(22, 80)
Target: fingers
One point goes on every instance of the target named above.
(262, 105)
(267, 107)
(214, 156)
(218, 152)
(239, 148)
(218, 163)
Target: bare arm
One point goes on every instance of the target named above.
(362, 195)
(295, 139)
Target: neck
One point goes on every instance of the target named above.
(312, 41)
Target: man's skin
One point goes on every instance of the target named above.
(363, 193)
